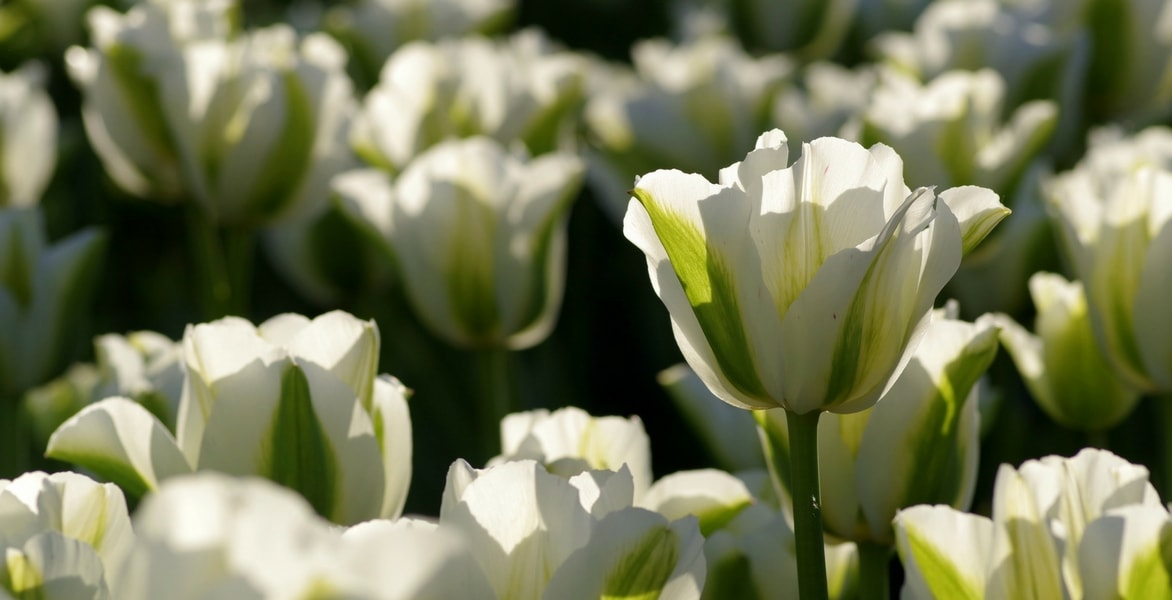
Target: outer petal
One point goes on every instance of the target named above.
(521, 522)
(119, 440)
(728, 432)
(714, 497)
(392, 427)
(345, 345)
(52, 566)
(701, 278)
(1153, 325)
(1124, 554)
(945, 553)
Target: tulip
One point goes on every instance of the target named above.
(800, 287)
(210, 535)
(62, 526)
(296, 401)
(28, 137)
(43, 291)
(809, 29)
(538, 535)
(1039, 48)
(695, 107)
(373, 29)
(479, 236)
(569, 441)
(1062, 365)
(520, 89)
(1113, 214)
(1128, 74)
(144, 83)
(863, 260)
(950, 130)
(1055, 532)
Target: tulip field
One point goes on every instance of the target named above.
(586, 299)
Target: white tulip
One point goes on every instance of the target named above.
(801, 286)
(296, 401)
(479, 236)
(28, 137)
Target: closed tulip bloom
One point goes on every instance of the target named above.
(1061, 363)
(479, 236)
(800, 286)
(28, 137)
(140, 82)
(293, 400)
(1115, 217)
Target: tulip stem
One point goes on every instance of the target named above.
(14, 443)
(496, 384)
(223, 259)
(874, 571)
(810, 547)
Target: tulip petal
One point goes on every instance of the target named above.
(52, 566)
(1154, 327)
(344, 344)
(714, 497)
(392, 427)
(1125, 554)
(120, 441)
(977, 209)
(945, 553)
(697, 224)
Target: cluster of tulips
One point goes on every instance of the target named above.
(845, 207)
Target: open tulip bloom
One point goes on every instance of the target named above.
(801, 286)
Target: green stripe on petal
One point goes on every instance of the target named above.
(942, 576)
(469, 270)
(291, 153)
(711, 290)
(21, 577)
(142, 97)
(643, 571)
(300, 456)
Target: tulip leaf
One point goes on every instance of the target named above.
(301, 457)
(643, 571)
(711, 288)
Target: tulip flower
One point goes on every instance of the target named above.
(569, 441)
(809, 29)
(28, 137)
(479, 236)
(520, 89)
(373, 29)
(950, 131)
(294, 400)
(43, 291)
(1062, 364)
(1113, 214)
(1060, 528)
(695, 107)
(135, 81)
(538, 535)
(62, 526)
(800, 287)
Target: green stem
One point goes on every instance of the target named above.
(874, 571)
(809, 545)
(223, 261)
(1097, 439)
(494, 374)
(14, 441)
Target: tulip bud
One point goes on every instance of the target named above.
(479, 236)
(1062, 364)
(28, 137)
